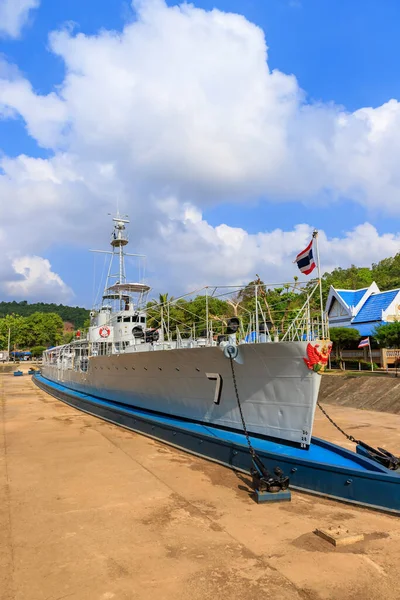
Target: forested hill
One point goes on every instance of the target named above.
(75, 314)
(385, 273)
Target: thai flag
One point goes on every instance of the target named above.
(305, 260)
(364, 343)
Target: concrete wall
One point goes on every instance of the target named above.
(381, 393)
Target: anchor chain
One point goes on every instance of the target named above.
(349, 437)
(246, 433)
(263, 481)
(380, 455)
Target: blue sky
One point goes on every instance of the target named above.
(342, 54)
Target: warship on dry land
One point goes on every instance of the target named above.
(220, 393)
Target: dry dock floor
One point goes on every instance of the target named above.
(90, 511)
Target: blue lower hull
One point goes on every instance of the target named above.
(324, 468)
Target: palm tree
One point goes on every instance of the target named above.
(156, 310)
(163, 299)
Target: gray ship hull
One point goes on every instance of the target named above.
(277, 391)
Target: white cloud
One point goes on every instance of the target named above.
(175, 113)
(44, 115)
(209, 255)
(14, 15)
(36, 281)
(183, 99)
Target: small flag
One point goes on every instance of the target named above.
(305, 260)
(364, 343)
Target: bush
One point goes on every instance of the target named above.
(352, 365)
(37, 351)
(388, 335)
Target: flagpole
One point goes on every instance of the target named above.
(315, 237)
(370, 353)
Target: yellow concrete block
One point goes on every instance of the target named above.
(339, 536)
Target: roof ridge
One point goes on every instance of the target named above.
(346, 290)
(385, 291)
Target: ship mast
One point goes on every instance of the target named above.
(119, 239)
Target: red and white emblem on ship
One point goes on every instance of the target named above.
(318, 355)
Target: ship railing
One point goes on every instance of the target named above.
(304, 327)
(260, 321)
(65, 357)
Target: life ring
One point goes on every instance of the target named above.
(104, 331)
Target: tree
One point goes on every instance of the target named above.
(159, 309)
(74, 314)
(37, 351)
(38, 329)
(188, 313)
(43, 329)
(388, 335)
(68, 337)
(386, 273)
(16, 327)
(343, 337)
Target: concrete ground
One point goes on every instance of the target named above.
(90, 511)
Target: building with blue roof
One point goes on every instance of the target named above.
(362, 309)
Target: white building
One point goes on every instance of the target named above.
(362, 309)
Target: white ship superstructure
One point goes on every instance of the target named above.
(187, 373)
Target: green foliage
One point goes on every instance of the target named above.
(37, 351)
(188, 314)
(385, 273)
(75, 314)
(353, 364)
(38, 329)
(68, 337)
(388, 335)
(219, 311)
(343, 337)
(15, 326)
(44, 329)
(278, 305)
